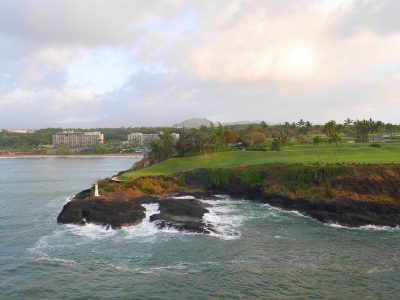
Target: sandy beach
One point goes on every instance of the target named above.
(70, 156)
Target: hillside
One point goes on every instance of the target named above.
(194, 123)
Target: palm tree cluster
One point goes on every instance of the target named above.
(218, 137)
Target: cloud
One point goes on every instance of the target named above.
(73, 22)
(157, 62)
(56, 100)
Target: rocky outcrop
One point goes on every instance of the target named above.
(117, 210)
(113, 212)
(181, 214)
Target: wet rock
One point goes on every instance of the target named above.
(181, 214)
(116, 212)
(82, 195)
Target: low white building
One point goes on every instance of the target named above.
(139, 138)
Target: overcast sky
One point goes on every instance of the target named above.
(111, 63)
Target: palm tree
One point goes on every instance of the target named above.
(251, 130)
(335, 139)
(263, 126)
(285, 142)
(348, 122)
(318, 140)
(287, 126)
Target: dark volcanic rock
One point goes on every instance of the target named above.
(182, 214)
(82, 195)
(344, 211)
(116, 212)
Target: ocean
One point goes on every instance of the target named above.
(260, 252)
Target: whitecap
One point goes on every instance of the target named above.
(56, 260)
(365, 227)
(90, 230)
(290, 212)
(145, 228)
(188, 197)
(223, 218)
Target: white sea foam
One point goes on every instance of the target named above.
(222, 196)
(365, 227)
(178, 267)
(90, 230)
(223, 217)
(335, 225)
(56, 260)
(67, 199)
(185, 197)
(145, 228)
(291, 212)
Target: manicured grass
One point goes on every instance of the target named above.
(347, 153)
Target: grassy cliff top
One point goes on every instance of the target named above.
(346, 153)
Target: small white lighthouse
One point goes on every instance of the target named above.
(96, 190)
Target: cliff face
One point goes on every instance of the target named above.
(351, 195)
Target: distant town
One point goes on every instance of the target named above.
(193, 135)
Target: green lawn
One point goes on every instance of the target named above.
(351, 153)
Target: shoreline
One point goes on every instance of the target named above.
(72, 156)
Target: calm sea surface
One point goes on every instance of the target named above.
(260, 253)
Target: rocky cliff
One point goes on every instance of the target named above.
(347, 194)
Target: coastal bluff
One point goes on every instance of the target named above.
(345, 194)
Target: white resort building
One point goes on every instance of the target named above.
(72, 139)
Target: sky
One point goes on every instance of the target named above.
(112, 63)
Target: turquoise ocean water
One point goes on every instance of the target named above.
(261, 252)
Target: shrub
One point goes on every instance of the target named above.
(219, 176)
(250, 176)
(182, 180)
(375, 145)
(107, 185)
(329, 192)
(151, 185)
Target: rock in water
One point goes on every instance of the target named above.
(115, 212)
(181, 214)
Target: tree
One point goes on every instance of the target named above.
(287, 126)
(163, 148)
(304, 127)
(202, 141)
(316, 141)
(263, 126)
(361, 130)
(348, 122)
(330, 128)
(285, 142)
(232, 137)
(276, 144)
(335, 139)
(250, 129)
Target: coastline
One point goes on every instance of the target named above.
(352, 195)
(72, 156)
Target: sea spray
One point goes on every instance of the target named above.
(223, 217)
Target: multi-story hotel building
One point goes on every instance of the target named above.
(146, 138)
(73, 139)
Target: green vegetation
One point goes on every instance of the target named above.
(219, 176)
(250, 176)
(301, 153)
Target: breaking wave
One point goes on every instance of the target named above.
(225, 217)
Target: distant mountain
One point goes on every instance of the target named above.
(241, 123)
(194, 123)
